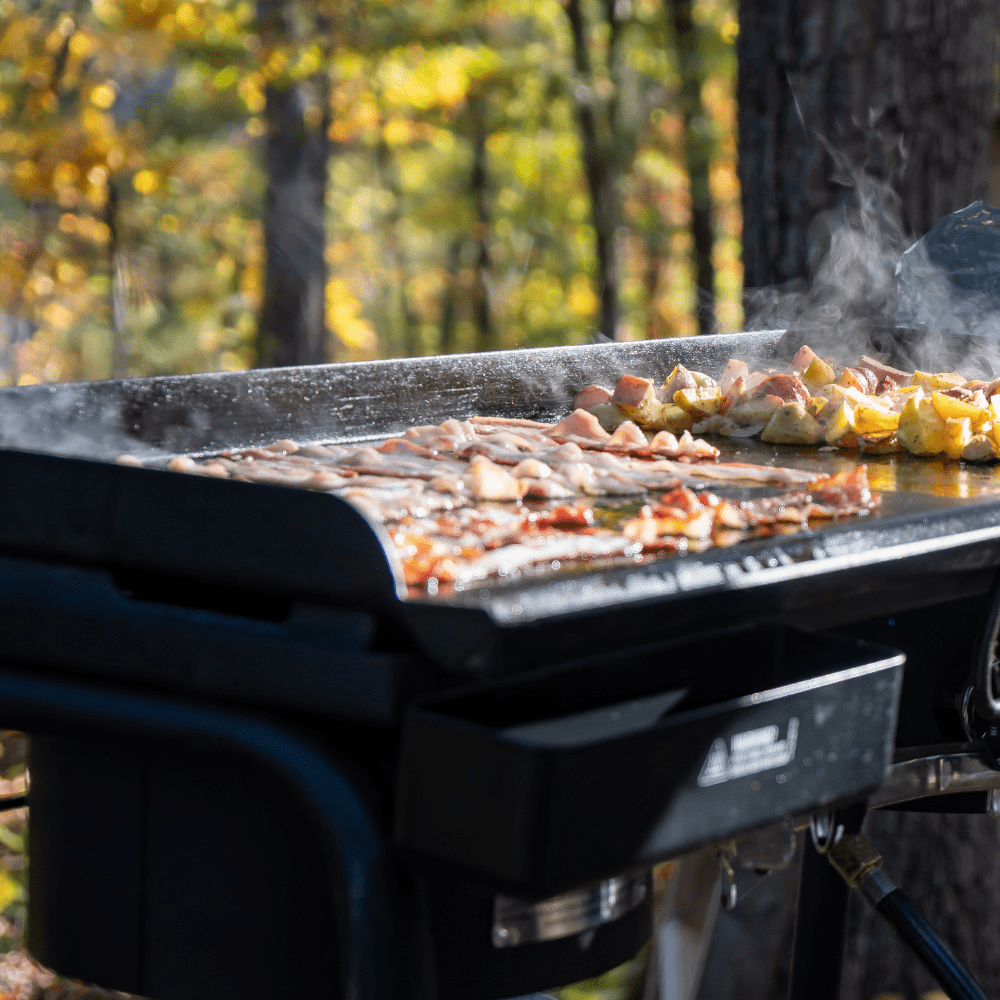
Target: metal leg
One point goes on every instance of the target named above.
(821, 920)
(358, 866)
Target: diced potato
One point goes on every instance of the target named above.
(980, 448)
(941, 380)
(637, 399)
(704, 381)
(957, 434)
(874, 423)
(949, 408)
(755, 411)
(792, 424)
(921, 430)
(840, 426)
(700, 403)
(674, 419)
(854, 396)
(817, 405)
(608, 416)
(679, 378)
(818, 373)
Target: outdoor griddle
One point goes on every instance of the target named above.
(259, 768)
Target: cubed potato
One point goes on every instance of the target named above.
(840, 426)
(854, 396)
(700, 403)
(608, 416)
(755, 411)
(940, 380)
(679, 378)
(818, 373)
(949, 408)
(980, 448)
(674, 419)
(792, 424)
(874, 423)
(957, 434)
(921, 430)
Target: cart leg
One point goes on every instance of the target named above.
(821, 920)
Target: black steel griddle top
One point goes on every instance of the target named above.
(937, 518)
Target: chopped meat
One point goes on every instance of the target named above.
(591, 395)
(788, 388)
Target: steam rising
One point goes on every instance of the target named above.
(876, 290)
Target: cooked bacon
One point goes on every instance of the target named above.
(628, 434)
(579, 424)
(433, 487)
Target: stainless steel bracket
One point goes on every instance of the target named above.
(940, 770)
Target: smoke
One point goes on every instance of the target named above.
(875, 290)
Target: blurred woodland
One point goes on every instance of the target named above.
(191, 185)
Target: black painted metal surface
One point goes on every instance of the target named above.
(939, 520)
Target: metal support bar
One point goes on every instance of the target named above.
(821, 919)
(943, 770)
(357, 860)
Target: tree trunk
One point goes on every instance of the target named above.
(293, 315)
(598, 166)
(904, 90)
(486, 339)
(697, 155)
(858, 74)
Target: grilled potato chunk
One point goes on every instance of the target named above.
(980, 449)
(921, 430)
(949, 408)
(674, 419)
(875, 423)
(756, 411)
(608, 416)
(942, 380)
(818, 373)
(792, 424)
(700, 403)
(840, 426)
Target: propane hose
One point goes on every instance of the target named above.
(861, 867)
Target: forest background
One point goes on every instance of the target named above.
(436, 175)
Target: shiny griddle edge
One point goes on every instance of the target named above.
(64, 498)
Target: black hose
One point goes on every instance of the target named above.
(941, 962)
